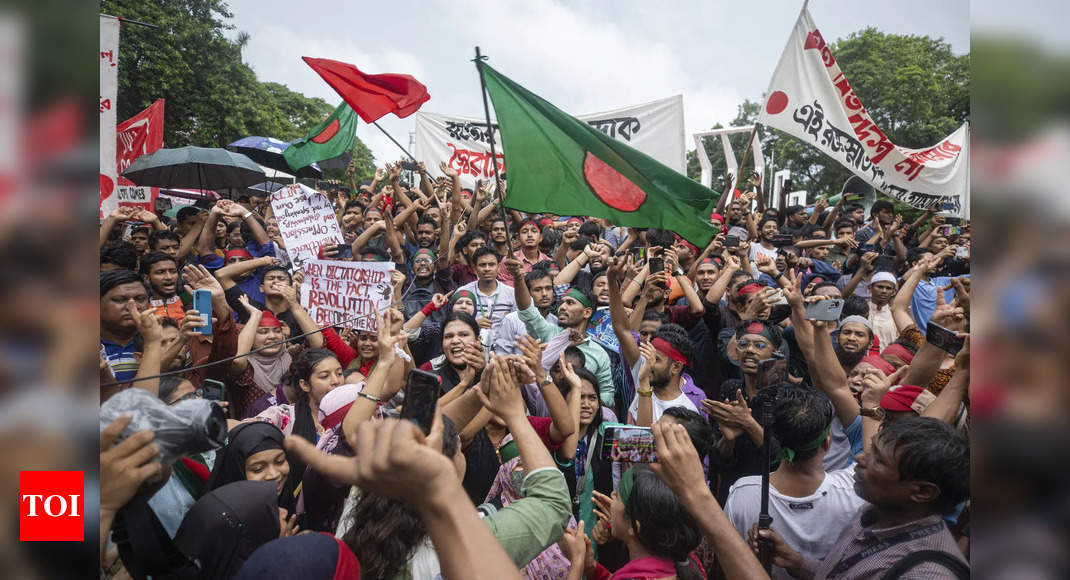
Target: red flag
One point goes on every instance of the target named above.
(137, 136)
(371, 96)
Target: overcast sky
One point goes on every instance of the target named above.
(584, 57)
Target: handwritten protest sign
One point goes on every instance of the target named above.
(334, 292)
(306, 221)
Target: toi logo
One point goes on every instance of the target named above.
(51, 506)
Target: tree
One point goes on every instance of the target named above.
(914, 87)
(213, 98)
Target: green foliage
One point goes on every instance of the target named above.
(914, 87)
(213, 98)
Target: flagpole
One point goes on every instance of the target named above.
(493, 152)
(746, 152)
(403, 150)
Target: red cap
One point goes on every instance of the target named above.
(899, 351)
(238, 253)
(900, 397)
(269, 320)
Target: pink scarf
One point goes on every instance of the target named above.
(646, 569)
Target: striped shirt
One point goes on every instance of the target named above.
(120, 359)
(863, 552)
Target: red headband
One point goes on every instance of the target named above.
(878, 363)
(574, 219)
(268, 320)
(752, 288)
(899, 351)
(900, 397)
(664, 346)
(238, 253)
(526, 222)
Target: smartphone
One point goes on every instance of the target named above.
(421, 397)
(214, 390)
(731, 241)
(657, 265)
(782, 240)
(344, 251)
(863, 248)
(639, 254)
(953, 221)
(202, 303)
(825, 310)
(943, 338)
(629, 444)
(408, 165)
(962, 252)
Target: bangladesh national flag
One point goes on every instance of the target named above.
(331, 138)
(558, 164)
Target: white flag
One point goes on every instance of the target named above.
(809, 98)
(655, 128)
(109, 91)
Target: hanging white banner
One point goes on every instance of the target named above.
(655, 128)
(809, 98)
(109, 90)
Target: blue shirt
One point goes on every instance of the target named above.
(121, 359)
(923, 301)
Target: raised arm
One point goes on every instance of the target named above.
(716, 246)
(152, 334)
(562, 426)
(618, 317)
(119, 215)
(366, 236)
(376, 386)
(206, 241)
(833, 380)
(568, 273)
(723, 200)
(694, 303)
(228, 273)
(863, 269)
(716, 292)
(644, 411)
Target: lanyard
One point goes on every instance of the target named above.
(915, 534)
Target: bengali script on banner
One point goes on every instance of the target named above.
(655, 128)
(109, 90)
(306, 221)
(810, 98)
(349, 294)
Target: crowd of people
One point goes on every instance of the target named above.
(826, 346)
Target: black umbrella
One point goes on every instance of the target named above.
(268, 151)
(266, 187)
(194, 167)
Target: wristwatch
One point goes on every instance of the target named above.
(877, 413)
(679, 271)
(546, 381)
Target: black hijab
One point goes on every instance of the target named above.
(242, 441)
(227, 525)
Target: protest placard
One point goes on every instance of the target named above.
(306, 221)
(334, 292)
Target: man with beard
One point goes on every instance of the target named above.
(853, 338)
(426, 228)
(914, 471)
(765, 232)
(672, 353)
(738, 449)
(529, 235)
(540, 286)
(882, 287)
(499, 237)
(160, 272)
(462, 271)
(428, 279)
(573, 314)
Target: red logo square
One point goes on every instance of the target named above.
(51, 506)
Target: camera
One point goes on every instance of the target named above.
(192, 426)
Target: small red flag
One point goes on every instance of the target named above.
(371, 96)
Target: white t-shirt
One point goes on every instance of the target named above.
(810, 525)
(755, 249)
(493, 306)
(660, 406)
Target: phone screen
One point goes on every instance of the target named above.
(782, 241)
(421, 397)
(943, 338)
(202, 303)
(629, 444)
(731, 241)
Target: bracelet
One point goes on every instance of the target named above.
(646, 393)
(372, 398)
(428, 309)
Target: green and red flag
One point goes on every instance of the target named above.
(331, 138)
(559, 164)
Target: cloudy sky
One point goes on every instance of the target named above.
(584, 57)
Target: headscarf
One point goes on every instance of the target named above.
(312, 556)
(243, 441)
(898, 350)
(268, 370)
(878, 363)
(463, 294)
(227, 525)
(716, 218)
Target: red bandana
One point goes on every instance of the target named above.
(673, 354)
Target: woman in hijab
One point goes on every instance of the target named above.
(462, 356)
(253, 452)
(308, 556)
(227, 525)
(262, 372)
(428, 332)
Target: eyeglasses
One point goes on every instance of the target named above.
(195, 394)
(422, 261)
(758, 344)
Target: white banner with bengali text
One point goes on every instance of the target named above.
(655, 128)
(109, 94)
(306, 221)
(349, 294)
(810, 98)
